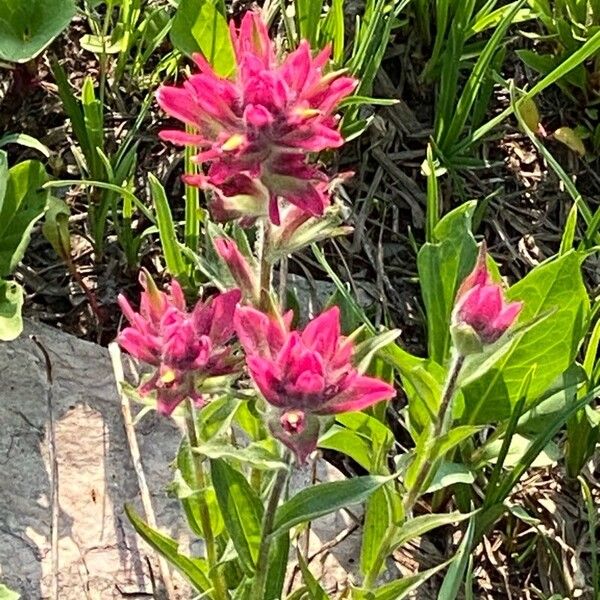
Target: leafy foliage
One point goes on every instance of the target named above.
(26, 28)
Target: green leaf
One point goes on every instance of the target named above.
(201, 26)
(447, 474)
(184, 486)
(216, 417)
(192, 568)
(378, 520)
(26, 28)
(419, 526)
(365, 351)
(554, 288)
(242, 511)
(21, 206)
(315, 591)
(308, 15)
(25, 140)
(166, 227)
(256, 454)
(456, 573)
(443, 265)
(519, 444)
(56, 227)
(99, 44)
(325, 498)
(278, 563)
(401, 588)
(11, 302)
(350, 443)
(6, 594)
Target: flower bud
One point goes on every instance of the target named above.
(481, 314)
(238, 266)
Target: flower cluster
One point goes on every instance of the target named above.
(183, 347)
(481, 315)
(256, 129)
(304, 374)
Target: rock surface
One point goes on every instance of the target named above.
(99, 553)
(100, 557)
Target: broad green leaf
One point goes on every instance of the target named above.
(6, 594)
(201, 26)
(517, 448)
(11, 302)
(256, 454)
(447, 474)
(561, 393)
(28, 26)
(242, 511)
(278, 563)
(215, 418)
(378, 520)
(363, 438)
(401, 588)
(185, 487)
(101, 44)
(443, 265)
(555, 289)
(192, 568)
(419, 526)
(56, 227)
(25, 140)
(349, 443)
(366, 350)
(319, 500)
(21, 206)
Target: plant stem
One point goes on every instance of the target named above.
(258, 586)
(424, 471)
(438, 429)
(220, 589)
(266, 268)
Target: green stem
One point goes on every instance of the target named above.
(212, 557)
(266, 268)
(262, 564)
(423, 473)
(439, 428)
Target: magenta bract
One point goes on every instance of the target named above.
(256, 129)
(480, 304)
(304, 373)
(184, 347)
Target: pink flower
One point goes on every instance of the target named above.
(183, 347)
(256, 129)
(303, 374)
(480, 305)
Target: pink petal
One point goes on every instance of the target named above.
(181, 138)
(309, 383)
(362, 392)
(138, 345)
(178, 103)
(322, 334)
(252, 328)
(257, 115)
(265, 375)
(507, 316)
(224, 307)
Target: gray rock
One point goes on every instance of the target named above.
(100, 555)
(98, 550)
